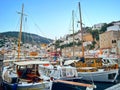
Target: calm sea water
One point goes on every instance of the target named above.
(100, 85)
(61, 86)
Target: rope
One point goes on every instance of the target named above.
(92, 78)
(38, 28)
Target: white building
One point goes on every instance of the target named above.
(115, 28)
(117, 23)
(97, 26)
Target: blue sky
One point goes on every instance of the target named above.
(52, 18)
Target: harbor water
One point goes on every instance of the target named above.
(61, 86)
(100, 85)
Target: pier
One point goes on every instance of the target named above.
(115, 87)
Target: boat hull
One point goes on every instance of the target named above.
(100, 76)
(26, 86)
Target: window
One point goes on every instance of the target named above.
(111, 76)
(113, 41)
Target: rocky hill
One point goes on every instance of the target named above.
(26, 37)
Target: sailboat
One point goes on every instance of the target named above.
(65, 76)
(94, 69)
(59, 72)
(23, 74)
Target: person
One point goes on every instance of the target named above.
(82, 59)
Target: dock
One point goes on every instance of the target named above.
(115, 87)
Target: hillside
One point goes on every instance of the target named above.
(26, 37)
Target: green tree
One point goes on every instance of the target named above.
(95, 34)
(79, 43)
(104, 28)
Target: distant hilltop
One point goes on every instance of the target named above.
(26, 37)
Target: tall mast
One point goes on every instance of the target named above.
(81, 28)
(20, 34)
(73, 32)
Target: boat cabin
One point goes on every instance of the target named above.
(59, 72)
(95, 64)
(29, 70)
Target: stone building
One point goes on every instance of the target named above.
(87, 37)
(109, 39)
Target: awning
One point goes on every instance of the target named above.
(67, 62)
(9, 60)
(22, 63)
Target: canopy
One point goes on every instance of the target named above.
(67, 62)
(23, 63)
(9, 60)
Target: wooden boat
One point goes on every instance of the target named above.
(25, 77)
(64, 75)
(97, 69)
(23, 74)
(94, 69)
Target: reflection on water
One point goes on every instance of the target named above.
(100, 85)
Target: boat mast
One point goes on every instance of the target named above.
(73, 33)
(81, 29)
(20, 34)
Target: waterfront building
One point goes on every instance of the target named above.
(87, 37)
(97, 26)
(109, 40)
(114, 28)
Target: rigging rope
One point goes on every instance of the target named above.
(38, 28)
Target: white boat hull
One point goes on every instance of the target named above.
(26, 86)
(100, 76)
